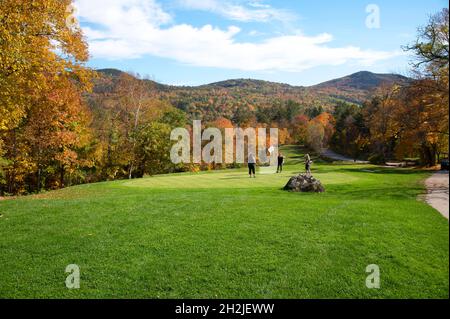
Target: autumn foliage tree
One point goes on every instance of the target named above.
(31, 32)
(351, 137)
(431, 90)
(409, 122)
(42, 76)
(320, 130)
(54, 131)
(412, 120)
(299, 128)
(124, 107)
(379, 120)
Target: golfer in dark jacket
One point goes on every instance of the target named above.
(280, 163)
(251, 165)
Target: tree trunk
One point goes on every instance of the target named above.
(433, 154)
(130, 173)
(12, 172)
(428, 155)
(62, 177)
(38, 179)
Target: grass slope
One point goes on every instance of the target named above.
(224, 235)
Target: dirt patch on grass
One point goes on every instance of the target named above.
(65, 193)
(69, 193)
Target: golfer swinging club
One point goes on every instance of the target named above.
(308, 163)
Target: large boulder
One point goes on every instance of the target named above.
(304, 183)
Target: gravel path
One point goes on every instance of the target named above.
(437, 197)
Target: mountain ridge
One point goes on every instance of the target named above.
(363, 80)
(239, 97)
(353, 79)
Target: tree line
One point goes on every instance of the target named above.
(63, 124)
(405, 121)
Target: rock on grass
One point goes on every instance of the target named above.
(304, 183)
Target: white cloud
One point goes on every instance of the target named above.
(255, 33)
(116, 13)
(125, 29)
(258, 5)
(253, 11)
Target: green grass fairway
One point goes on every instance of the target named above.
(223, 235)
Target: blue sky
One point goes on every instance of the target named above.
(302, 42)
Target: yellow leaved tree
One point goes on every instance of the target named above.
(42, 56)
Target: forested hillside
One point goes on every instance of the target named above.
(62, 123)
(239, 99)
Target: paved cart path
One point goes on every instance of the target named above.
(437, 197)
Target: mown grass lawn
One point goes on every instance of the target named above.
(224, 235)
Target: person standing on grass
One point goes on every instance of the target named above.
(252, 165)
(280, 162)
(308, 163)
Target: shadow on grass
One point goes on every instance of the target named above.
(372, 170)
(377, 193)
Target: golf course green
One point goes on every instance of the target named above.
(221, 234)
